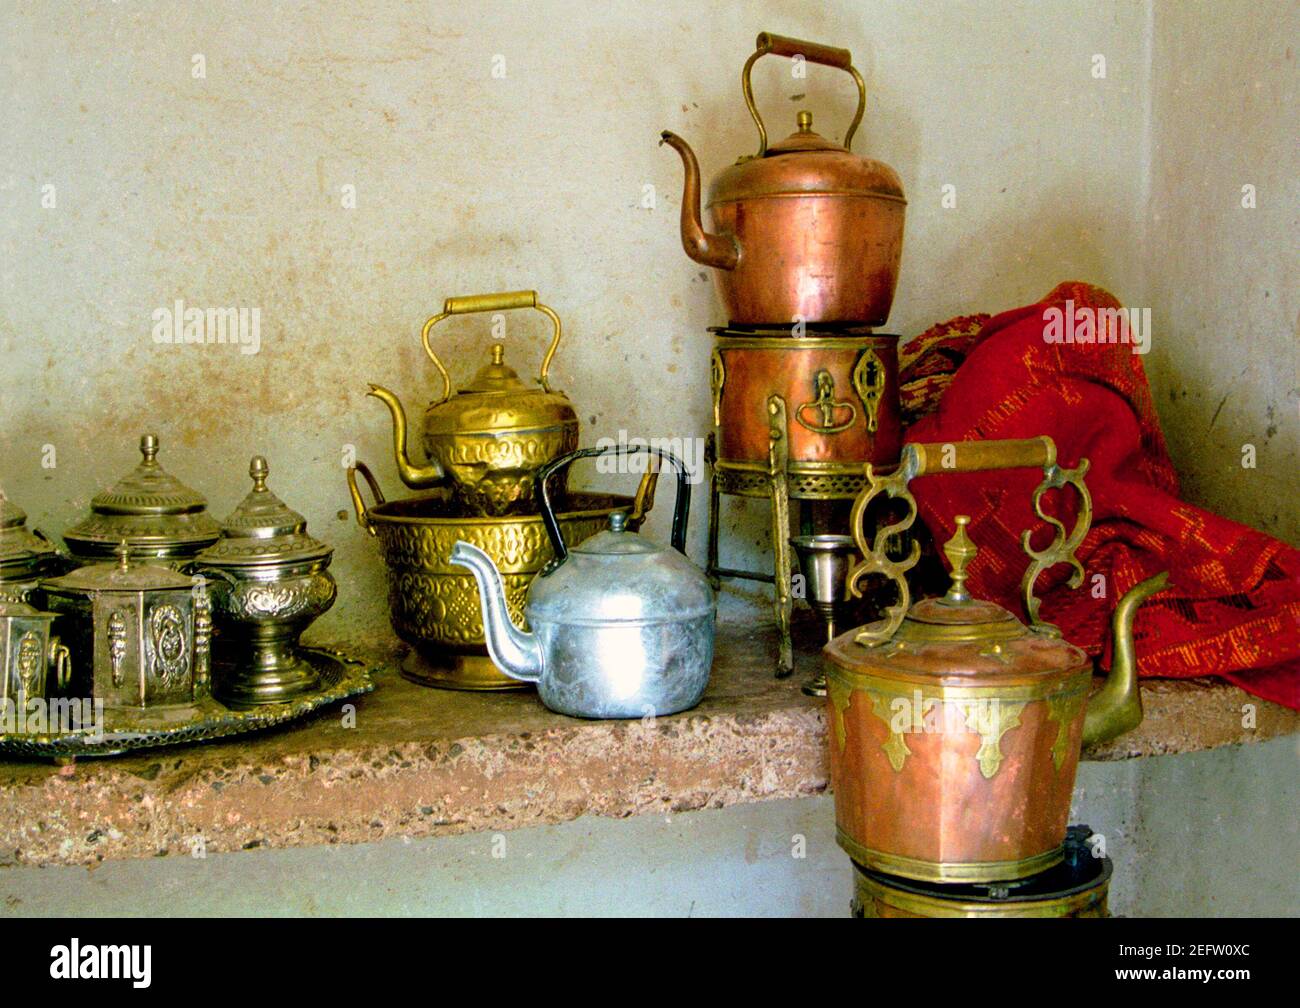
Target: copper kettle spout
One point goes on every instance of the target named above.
(1117, 706)
(718, 251)
(416, 477)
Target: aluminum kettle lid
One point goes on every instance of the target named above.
(617, 540)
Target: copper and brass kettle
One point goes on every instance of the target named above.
(489, 438)
(804, 230)
(957, 729)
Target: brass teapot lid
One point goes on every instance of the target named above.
(263, 530)
(497, 399)
(961, 638)
(119, 575)
(150, 509)
(24, 552)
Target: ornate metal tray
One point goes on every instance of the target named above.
(341, 675)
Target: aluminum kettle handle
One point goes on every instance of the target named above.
(681, 503)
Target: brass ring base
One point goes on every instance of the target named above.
(470, 672)
(949, 871)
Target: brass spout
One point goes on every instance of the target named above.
(718, 251)
(416, 477)
(1117, 706)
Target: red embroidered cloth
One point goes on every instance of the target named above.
(1233, 605)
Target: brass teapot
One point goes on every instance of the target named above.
(804, 229)
(489, 438)
(956, 729)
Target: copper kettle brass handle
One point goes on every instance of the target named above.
(813, 52)
(966, 457)
(504, 301)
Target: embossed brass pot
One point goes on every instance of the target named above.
(489, 438)
(804, 228)
(139, 633)
(269, 583)
(841, 395)
(956, 729)
(434, 604)
(159, 517)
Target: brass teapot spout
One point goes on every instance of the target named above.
(415, 477)
(1117, 706)
(717, 251)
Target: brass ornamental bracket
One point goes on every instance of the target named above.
(476, 303)
(966, 456)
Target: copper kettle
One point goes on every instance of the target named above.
(956, 729)
(804, 230)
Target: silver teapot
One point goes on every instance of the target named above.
(621, 626)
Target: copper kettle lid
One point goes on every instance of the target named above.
(806, 162)
(263, 529)
(958, 637)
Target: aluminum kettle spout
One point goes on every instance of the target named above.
(517, 654)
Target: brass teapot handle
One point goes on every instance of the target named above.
(967, 456)
(812, 52)
(474, 303)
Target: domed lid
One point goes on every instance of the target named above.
(24, 553)
(617, 576)
(497, 399)
(120, 575)
(958, 639)
(262, 530)
(149, 508)
(805, 162)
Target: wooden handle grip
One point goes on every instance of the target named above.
(813, 52)
(977, 456)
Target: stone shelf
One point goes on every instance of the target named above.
(422, 762)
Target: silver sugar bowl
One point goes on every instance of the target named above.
(29, 651)
(269, 582)
(139, 633)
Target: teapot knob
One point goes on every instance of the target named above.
(960, 551)
(618, 521)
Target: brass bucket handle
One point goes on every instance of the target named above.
(965, 457)
(363, 515)
(474, 303)
(813, 52)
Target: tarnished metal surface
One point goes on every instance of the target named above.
(621, 627)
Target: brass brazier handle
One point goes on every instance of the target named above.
(965, 457)
(812, 52)
(476, 303)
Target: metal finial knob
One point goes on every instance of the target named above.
(498, 353)
(618, 521)
(123, 552)
(259, 470)
(804, 121)
(960, 551)
(149, 446)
